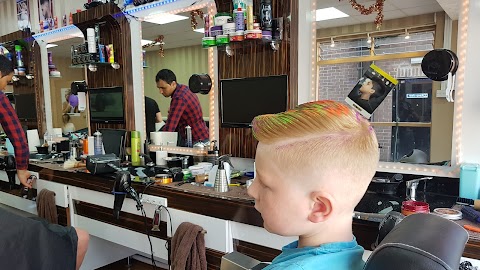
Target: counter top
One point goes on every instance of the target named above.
(234, 205)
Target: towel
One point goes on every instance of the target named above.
(46, 207)
(188, 248)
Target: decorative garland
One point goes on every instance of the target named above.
(158, 41)
(193, 19)
(378, 7)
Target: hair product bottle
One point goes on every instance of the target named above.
(135, 147)
(98, 143)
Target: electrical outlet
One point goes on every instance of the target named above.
(154, 200)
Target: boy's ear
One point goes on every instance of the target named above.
(321, 209)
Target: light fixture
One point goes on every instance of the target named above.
(115, 65)
(200, 30)
(164, 18)
(92, 67)
(332, 43)
(369, 38)
(51, 45)
(407, 35)
(330, 13)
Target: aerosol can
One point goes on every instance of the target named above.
(221, 178)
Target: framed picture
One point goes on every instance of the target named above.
(45, 10)
(370, 90)
(69, 102)
(23, 14)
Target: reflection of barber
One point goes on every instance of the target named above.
(185, 109)
(152, 115)
(68, 126)
(370, 91)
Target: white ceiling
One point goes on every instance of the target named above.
(451, 7)
(393, 9)
(176, 34)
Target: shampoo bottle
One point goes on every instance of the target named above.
(98, 143)
(136, 146)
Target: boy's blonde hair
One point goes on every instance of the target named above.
(326, 138)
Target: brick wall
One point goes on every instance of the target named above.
(336, 81)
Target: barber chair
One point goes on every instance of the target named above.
(418, 242)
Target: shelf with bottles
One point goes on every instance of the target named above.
(249, 24)
(94, 52)
(92, 66)
(17, 52)
(248, 44)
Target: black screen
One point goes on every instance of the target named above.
(106, 105)
(243, 99)
(25, 106)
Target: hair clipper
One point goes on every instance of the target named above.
(27, 193)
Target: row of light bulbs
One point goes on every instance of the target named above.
(369, 38)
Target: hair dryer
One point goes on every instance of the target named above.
(119, 195)
(11, 169)
(120, 188)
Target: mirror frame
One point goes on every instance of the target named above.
(59, 34)
(452, 171)
(212, 71)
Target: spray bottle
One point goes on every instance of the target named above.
(98, 143)
(222, 176)
(136, 147)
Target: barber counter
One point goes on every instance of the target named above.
(229, 219)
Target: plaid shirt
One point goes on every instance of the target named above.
(13, 129)
(185, 111)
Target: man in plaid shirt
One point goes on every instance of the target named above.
(11, 124)
(185, 109)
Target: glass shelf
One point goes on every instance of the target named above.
(93, 63)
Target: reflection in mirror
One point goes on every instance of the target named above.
(65, 111)
(403, 122)
(182, 53)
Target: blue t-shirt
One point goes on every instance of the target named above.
(331, 256)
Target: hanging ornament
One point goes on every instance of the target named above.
(158, 41)
(377, 7)
(161, 43)
(193, 17)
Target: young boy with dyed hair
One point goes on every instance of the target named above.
(313, 165)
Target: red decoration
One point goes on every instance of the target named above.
(378, 7)
(158, 41)
(193, 19)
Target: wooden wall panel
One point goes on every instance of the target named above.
(114, 30)
(257, 59)
(39, 94)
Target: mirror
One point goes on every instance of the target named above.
(414, 123)
(21, 91)
(182, 53)
(64, 104)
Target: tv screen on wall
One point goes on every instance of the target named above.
(106, 105)
(25, 106)
(243, 99)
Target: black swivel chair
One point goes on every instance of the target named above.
(114, 141)
(420, 242)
